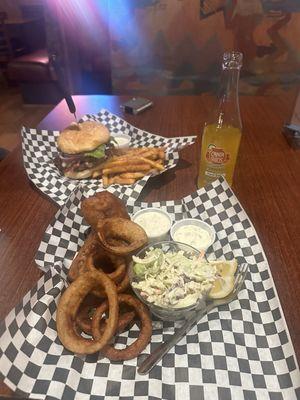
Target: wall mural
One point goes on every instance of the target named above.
(175, 46)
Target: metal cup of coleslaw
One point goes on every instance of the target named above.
(167, 313)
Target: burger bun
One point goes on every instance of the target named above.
(82, 137)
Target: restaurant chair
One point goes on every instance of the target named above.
(33, 72)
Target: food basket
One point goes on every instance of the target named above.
(39, 150)
(238, 351)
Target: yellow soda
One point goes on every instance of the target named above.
(222, 133)
(219, 150)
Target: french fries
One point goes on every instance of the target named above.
(153, 164)
(132, 175)
(121, 181)
(105, 180)
(126, 167)
(132, 164)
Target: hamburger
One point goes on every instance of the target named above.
(82, 148)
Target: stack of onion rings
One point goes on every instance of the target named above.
(98, 274)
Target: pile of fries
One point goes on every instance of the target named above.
(132, 164)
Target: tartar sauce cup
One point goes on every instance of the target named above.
(122, 140)
(155, 221)
(193, 232)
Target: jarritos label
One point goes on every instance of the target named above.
(216, 155)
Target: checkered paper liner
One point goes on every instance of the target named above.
(39, 150)
(238, 351)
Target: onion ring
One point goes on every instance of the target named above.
(126, 320)
(69, 304)
(102, 205)
(89, 246)
(121, 287)
(119, 276)
(100, 259)
(141, 342)
(85, 315)
(92, 256)
(121, 236)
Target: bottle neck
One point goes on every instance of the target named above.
(229, 110)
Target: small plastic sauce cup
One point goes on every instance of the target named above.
(155, 221)
(122, 140)
(195, 223)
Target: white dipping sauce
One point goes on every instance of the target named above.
(153, 222)
(121, 141)
(193, 235)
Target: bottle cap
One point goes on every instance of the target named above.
(232, 60)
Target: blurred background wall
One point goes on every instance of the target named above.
(175, 46)
(172, 46)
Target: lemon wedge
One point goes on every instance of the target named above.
(222, 287)
(224, 284)
(226, 268)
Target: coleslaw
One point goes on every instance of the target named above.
(172, 279)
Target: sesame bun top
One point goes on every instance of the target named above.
(82, 137)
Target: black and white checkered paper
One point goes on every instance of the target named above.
(39, 150)
(238, 351)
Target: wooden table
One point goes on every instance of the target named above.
(267, 183)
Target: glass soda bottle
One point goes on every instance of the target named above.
(222, 132)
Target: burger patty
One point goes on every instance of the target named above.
(76, 162)
(82, 161)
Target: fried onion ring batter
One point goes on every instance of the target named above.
(126, 321)
(120, 236)
(90, 245)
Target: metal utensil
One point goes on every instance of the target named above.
(161, 350)
(59, 77)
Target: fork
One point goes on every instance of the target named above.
(161, 350)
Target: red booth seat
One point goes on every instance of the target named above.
(33, 72)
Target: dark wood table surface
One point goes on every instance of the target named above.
(267, 183)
